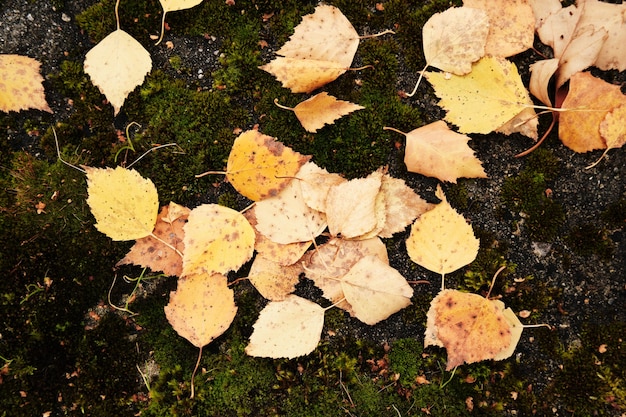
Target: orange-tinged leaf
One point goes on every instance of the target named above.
(124, 203)
(274, 281)
(436, 151)
(375, 290)
(470, 327)
(441, 240)
(156, 255)
(201, 308)
(116, 65)
(455, 38)
(322, 109)
(287, 329)
(483, 100)
(259, 166)
(21, 84)
(589, 100)
(511, 25)
(613, 127)
(217, 239)
(304, 75)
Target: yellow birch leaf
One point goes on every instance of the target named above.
(315, 183)
(21, 85)
(483, 100)
(274, 281)
(217, 239)
(320, 110)
(320, 50)
(402, 206)
(590, 99)
(124, 203)
(201, 308)
(511, 25)
(441, 240)
(455, 38)
(285, 218)
(174, 5)
(259, 166)
(375, 290)
(287, 329)
(351, 206)
(436, 151)
(155, 254)
(471, 328)
(117, 65)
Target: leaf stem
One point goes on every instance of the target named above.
(193, 375)
(56, 141)
(117, 14)
(211, 173)
(281, 106)
(152, 235)
(418, 82)
(375, 35)
(162, 28)
(393, 129)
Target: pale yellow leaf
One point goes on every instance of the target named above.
(315, 183)
(21, 85)
(117, 65)
(274, 281)
(541, 73)
(287, 329)
(441, 240)
(375, 290)
(483, 100)
(436, 151)
(174, 5)
(612, 18)
(322, 109)
(542, 9)
(201, 308)
(217, 239)
(581, 52)
(124, 203)
(402, 205)
(259, 166)
(303, 75)
(511, 25)
(455, 38)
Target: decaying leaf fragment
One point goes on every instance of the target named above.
(455, 38)
(485, 99)
(124, 203)
(217, 239)
(471, 328)
(320, 50)
(116, 65)
(321, 109)
(156, 254)
(21, 84)
(441, 240)
(259, 166)
(287, 329)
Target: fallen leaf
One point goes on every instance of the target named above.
(321, 48)
(315, 183)
(483, 100)
(149, 252)
(124, 203)
(613, 130)
(441, 240)
(201, 308)
(259, 166)
(612, 18)
(21, 85)
(542, 9)
(320, 110)
(274, 281)
(217, 239)
(589, 100)
(402, 206)
(172, 6)
(511, 25)
(436, 151)
(287, 329)
(471, 328)
(541, 73)
(116, 65)
(455, 38)
(375, 290)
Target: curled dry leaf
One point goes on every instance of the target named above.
(21, 85)
(287, 329)
(259, 166)
(455, 38)
(436, 151)
(441, 240)
(511, 25)
(124, 203)
(471, 328)
(155, 254)
(501, 97)
(217, 239)
(320, 110)
(320, 50)
(201, 308)
(116, 65)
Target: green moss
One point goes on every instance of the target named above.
(491, 257)
(588, 239)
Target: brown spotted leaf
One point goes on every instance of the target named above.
(21, 84)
